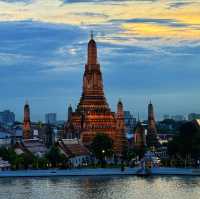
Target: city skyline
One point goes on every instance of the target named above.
(143, 56)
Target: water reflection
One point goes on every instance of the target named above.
(101, 187)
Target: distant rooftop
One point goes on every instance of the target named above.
(4, 135)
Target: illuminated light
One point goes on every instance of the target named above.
(198, 121)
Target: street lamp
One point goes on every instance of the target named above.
(103, 153)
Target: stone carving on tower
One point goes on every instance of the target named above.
(93, 114)
(27, 122)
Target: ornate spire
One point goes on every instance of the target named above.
(92, 98)
(152, 139)
(91, 34)
(27, 122)
(120, 102)
(26, 102)
(120, 116)
(92, 51)
(151, 111)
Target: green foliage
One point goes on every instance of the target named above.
(187, 142)
(140, 152)
(102, 145)
(28, 160)
(130, 155)
(40, 162)
(9, 155)
(55, 158)
(17, 161)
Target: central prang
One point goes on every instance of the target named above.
(93, 114)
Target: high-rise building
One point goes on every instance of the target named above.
(152, 139)
(93, 114)
(47, 135)
(130, 122)
(27, 122)
(50, 118)
(7, 117)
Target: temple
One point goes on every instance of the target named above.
(93, 114)
(139, 137)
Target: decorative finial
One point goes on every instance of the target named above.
(91, 34)
(26, 102)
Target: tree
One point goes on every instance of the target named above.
(27, 159)
(140, 151)
(40, 162)
(9, 154)
(102, 146)
(23, 160)
(55, 157)
(187, 142)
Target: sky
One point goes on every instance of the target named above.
(148, 50)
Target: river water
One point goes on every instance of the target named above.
(127, 187)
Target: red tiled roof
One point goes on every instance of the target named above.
(74, 149)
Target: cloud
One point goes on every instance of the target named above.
(86, 1)
(43, 52)
(167, 22)
(31, 49)
(91, 14)
(179, 4)
(17, 1)
(93, 1)
(9, 59)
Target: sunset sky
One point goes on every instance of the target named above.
(148, 49)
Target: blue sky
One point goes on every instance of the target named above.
(147, 50)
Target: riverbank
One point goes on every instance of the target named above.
(98, 172)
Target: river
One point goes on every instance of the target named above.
(127, 187)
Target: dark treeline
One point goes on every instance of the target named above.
(53, 158)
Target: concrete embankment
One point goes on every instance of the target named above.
(68, 172)
(175, 171)
(99, 172)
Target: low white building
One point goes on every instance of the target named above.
(4, 165)
(5, 139)
(77, 154)
(34, 146)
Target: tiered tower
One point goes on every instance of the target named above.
(152, 140)
(92, 98)
(121, 141)
(27, 122)
(93, 114)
